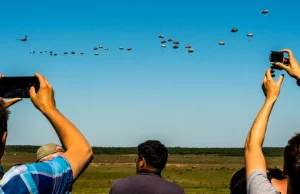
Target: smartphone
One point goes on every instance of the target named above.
(18, 87)
(276, 56)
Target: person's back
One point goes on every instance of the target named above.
(146, 183)
(151, 160)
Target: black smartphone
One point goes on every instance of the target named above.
(276, 56)
(18, 87)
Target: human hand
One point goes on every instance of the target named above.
(271, 88)
(5, 104)
(44, 98)
(290, 64)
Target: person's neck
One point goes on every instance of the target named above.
(280, 185)
(151, 171)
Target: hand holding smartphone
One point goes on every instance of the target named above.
(18, 87)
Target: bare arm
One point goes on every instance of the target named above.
(78, 151)
(254, 157)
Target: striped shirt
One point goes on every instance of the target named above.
(49, 177)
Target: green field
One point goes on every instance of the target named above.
(203, 174)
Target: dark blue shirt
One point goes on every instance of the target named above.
(145, 183)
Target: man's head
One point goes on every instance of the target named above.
(48, 151)
(292, 159)
(152, 155)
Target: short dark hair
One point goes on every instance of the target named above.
(4, 114)
(238, 183)
(155, 154)
(292, 158)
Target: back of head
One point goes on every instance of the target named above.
(155, 154)
(238, 184)
(292, 160)
(48, 149)
(4, 114)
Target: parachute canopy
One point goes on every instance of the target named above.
(250, 35)
(163, 41)
(161, 36)
(221, 43)
(265, 11)
(129, 49)
(188, 46)
(170, 40)
(175, 47)
(163, 46)
(175, 42)
(191, 50)
(234, 30)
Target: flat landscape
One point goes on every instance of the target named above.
(198, 174)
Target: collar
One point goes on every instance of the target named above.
(149, 172)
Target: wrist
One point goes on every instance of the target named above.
(270, 100)
(49, 111)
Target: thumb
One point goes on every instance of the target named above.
(32, 92)
(12, 101)
(281, 65)
(280, 80)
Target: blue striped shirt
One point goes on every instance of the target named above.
(49, 177)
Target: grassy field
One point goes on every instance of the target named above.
(198, 174)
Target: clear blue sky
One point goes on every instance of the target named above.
(122, 98)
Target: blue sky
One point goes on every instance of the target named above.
(122, 98)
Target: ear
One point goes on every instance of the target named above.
(143, 162)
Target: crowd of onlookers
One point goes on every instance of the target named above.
(58, 167)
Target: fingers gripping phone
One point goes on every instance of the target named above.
(276, 56)
(18, 87)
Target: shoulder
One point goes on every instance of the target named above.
(38, 176)
(258, 182)
(57, 166)
(174, 187)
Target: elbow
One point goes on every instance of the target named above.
(89, 154)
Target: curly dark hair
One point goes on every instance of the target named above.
(4, 115)
(155, 154)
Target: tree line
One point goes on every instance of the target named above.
(268, 151)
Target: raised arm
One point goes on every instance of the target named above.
(253, 146)
(78, 151)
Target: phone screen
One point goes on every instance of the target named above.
(276, 57)
(17, 87)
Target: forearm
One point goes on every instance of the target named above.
(257, 133)
(69, 135)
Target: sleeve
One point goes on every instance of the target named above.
(54, 176)
(1, 172)
(258, 183)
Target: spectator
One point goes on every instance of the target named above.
(58, 174)
(151, 160)
(238, 183)
(257, 182)
(48, 152)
